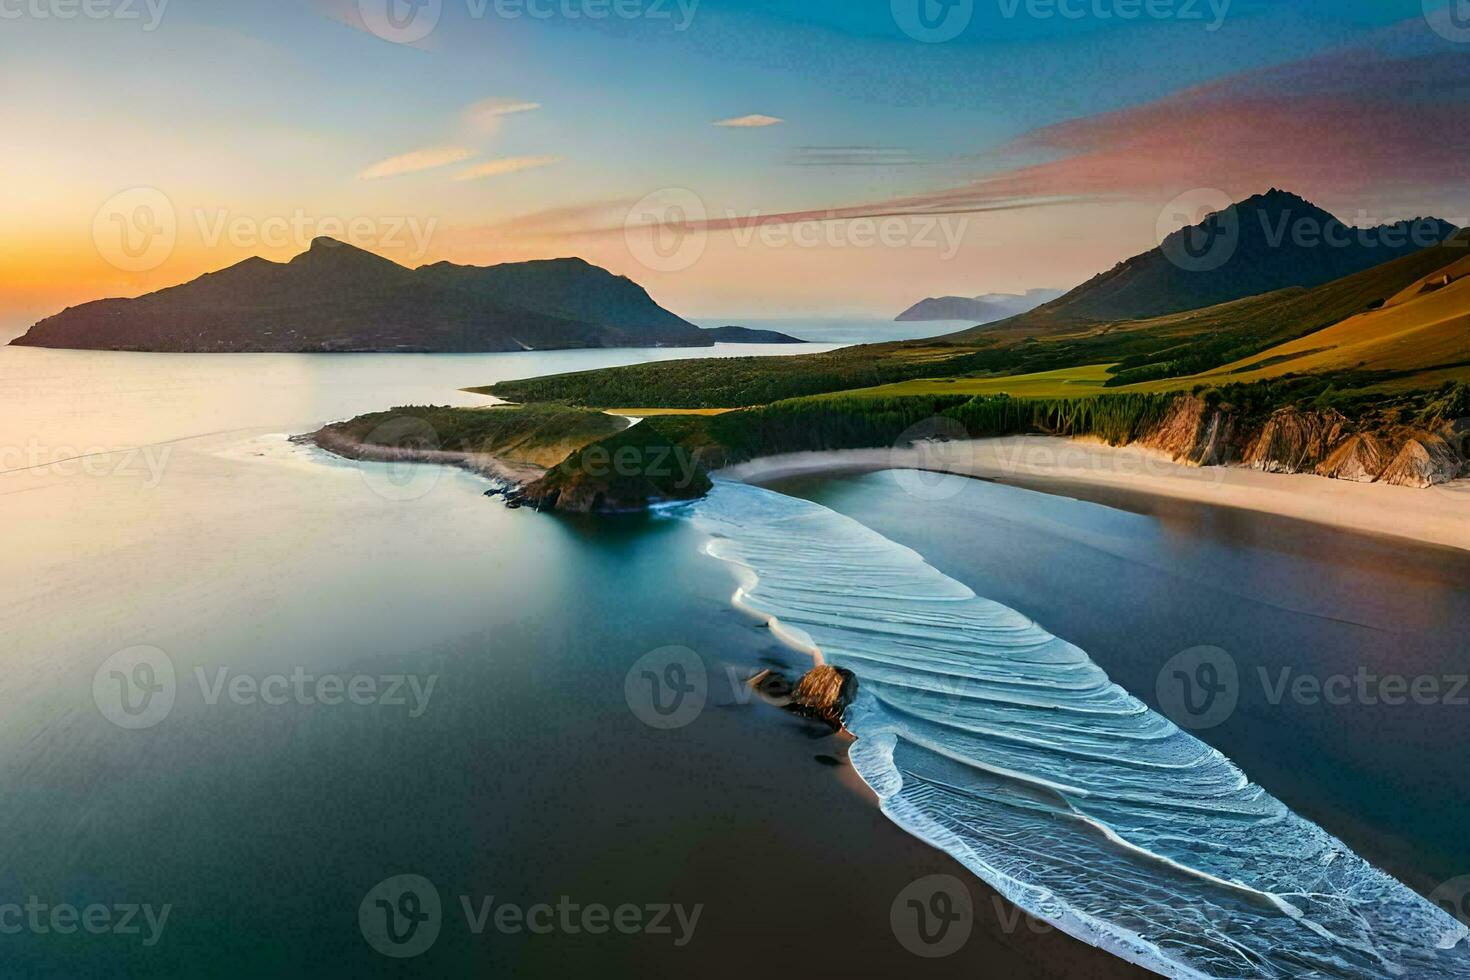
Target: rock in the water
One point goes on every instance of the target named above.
(1425, 460)
(825, 692)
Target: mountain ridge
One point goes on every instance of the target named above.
(985, 308)
(1259, 245)
(336, 297)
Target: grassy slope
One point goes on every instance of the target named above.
(739, 381)
(1077, 382)
(1419, 329)
(1158, 354)
(543, 435)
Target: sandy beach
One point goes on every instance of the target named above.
(1438, 515)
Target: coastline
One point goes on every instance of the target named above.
(1434, 515)
(492, 467)
(1060, 465)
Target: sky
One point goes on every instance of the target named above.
(739, 158)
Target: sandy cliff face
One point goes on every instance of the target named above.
(1193, 432)
(1293, 441)
(1424, 460)
(1324, 443)
(1359, 457)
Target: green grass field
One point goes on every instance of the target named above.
(1073, 382)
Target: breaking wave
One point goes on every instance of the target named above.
(986, 736)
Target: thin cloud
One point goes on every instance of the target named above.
(752, 121)
(852, 156)
(486, 113)
(505, 165)
(408, 163)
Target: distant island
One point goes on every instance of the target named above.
(338, 298)
(986, 308)
(749, 335)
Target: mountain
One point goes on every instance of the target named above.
(1184, 344)
(1268, 242)
(978, 309)
(336, 297)
(748, 335)
(572, 289)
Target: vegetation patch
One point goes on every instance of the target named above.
(542, 435)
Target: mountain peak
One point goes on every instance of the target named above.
(1277, 200)
(1263, 243)
(333, 256)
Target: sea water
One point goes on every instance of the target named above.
(1008, 747)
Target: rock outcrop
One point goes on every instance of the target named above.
(631, 471)
(1424, 460)
(824, 693)
(1193, 432)
(1294, 441)
(1326, 443)
(1359, 458)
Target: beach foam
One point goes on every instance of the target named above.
(1007, 747)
